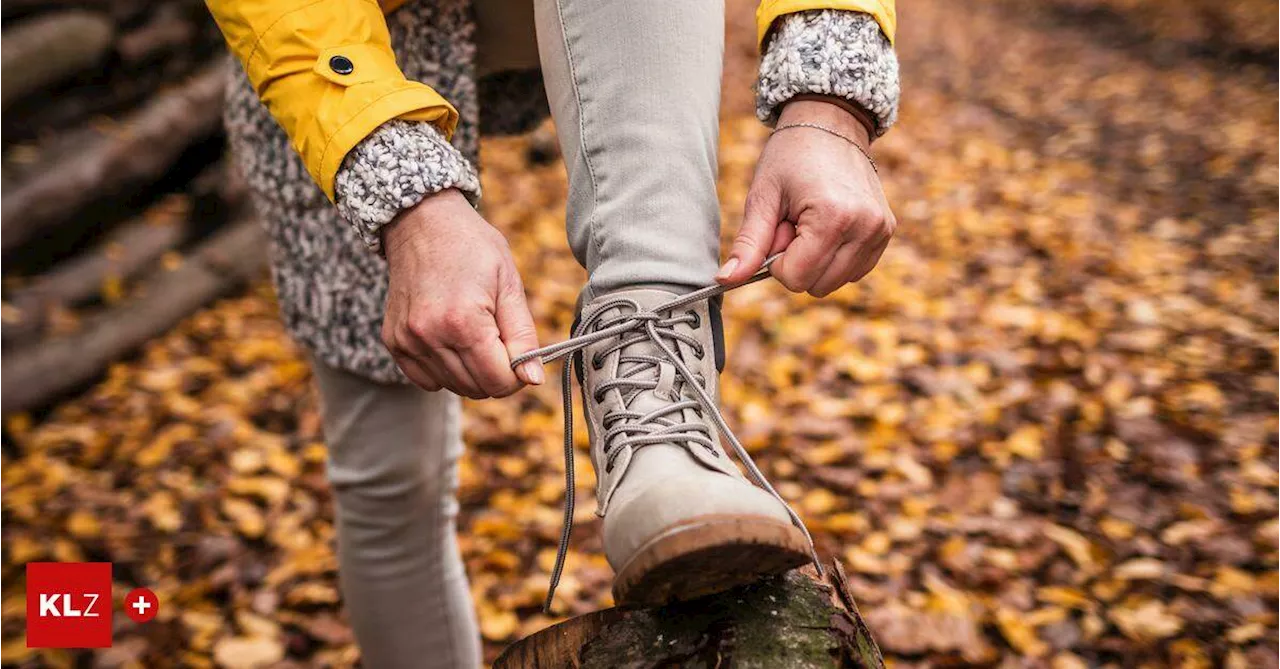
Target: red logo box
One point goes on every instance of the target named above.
(69, 605)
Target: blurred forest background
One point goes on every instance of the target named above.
(1043, 433)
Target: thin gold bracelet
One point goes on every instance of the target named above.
(829, 131)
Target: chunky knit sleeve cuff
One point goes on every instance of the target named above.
(829, 52)
(393, 169)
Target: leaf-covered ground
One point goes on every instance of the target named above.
(1042, 433)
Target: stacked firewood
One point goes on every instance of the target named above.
(120, 212)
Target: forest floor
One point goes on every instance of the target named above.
(1042, 433)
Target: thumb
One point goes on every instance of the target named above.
(755, 236)
(516, 329)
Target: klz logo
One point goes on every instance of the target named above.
(49, 606)
(68, 604)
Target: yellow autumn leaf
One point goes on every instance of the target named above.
(312, 592)
(163, 512)
(498, 625)
(1026, 442)
(1139, 569)
(245, 515)
(84, 525)
(247, 652)
(1021, 635)
(1145, 619)
(1074, 544)
(1064, 596)
(269, 489)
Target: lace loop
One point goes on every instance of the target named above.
(626, 428)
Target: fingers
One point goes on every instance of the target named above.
(851, 263)
(872, 259)
(838, 272)
(457, 377)
(836, 244)
(487, 365)
(782, 237)
(805, 259)
(417, 373)
(518, 333)
(442, 364)
(756, 235)
(459, 351)
(415, 361)
(466, 343)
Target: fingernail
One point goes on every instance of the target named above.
(727, 270)
(533, 372)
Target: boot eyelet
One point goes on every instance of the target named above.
(697, 320)
(699, 352)
(597, 363)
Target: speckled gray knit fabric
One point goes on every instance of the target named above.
(392, 170)
(829, 52)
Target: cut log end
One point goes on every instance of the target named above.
(797, 620)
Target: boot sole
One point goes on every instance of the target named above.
(707, 556)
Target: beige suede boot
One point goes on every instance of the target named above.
(680, 519)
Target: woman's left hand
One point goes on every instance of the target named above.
(817, 200)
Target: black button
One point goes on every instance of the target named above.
(341, 65)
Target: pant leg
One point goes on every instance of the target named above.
(393, 454)
(634, 88)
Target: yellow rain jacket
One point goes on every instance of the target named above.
(326, 71)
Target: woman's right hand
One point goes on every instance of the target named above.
(456, 313)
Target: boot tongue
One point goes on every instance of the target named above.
(666, 382)
(668, 378)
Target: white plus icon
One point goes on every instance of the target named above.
(138, 605)
(141, 606)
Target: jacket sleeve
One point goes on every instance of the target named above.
(326, 72)
(767, 12)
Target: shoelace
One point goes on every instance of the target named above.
(645, 324)
(631, 428)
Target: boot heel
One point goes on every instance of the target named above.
(709, 555)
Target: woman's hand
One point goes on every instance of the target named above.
(818, 199)
(456, 312)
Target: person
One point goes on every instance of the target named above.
(355, 125)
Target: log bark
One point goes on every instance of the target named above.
(45, 50)
(42, 371)
(118, 9)
(169, 29)
(136, 154)
(795, 621)
(73, 110)
(126, 252)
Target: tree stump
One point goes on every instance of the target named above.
(793, 621)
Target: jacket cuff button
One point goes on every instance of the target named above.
(341, 65)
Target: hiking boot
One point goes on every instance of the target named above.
(680, 519)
